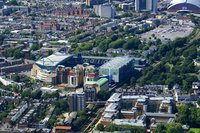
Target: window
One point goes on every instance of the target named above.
(73, 80)
(89, 79)
(184, 8)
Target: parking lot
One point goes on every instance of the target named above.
(167, 33)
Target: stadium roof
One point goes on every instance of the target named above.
(176, 2)
(53, 60)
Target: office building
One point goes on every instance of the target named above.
(146, 5)
(106, 10)
(118, 69)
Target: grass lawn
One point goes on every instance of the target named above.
(196, 130)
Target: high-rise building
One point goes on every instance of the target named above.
(61, 74)
(148, 5)
(90, 73)
(106, 10)
(90, 94)
(77, 101)
(78, 75)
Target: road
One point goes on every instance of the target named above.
(98, 113)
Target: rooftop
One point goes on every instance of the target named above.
(160, 115)
(132, 122)
(135, 97)
(108, 115)
(100, 82)
(53, 60)
(112, 107)
(116, 62)
(115, 97)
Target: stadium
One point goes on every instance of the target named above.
(46, 67)
(184, 6)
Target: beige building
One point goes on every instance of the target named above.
(99, 85)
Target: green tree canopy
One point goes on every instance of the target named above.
(103, 94)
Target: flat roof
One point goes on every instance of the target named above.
(100, 82)
(135, 97)
(116, 62)
(115, 97)
(112, 107)
(132, 122)
(108, 115)
(161, 98)
(64, 127)
(54, 59)
(160, 115)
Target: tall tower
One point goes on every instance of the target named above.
(137, 5)
(149, 5)
(155, 6)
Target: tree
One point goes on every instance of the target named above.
(50, 52)
(2, 37)
(103, 94)
(160, 127)
(100, 127)
(174, 128)
(15, 88)
(26, 93)
(55, 94)
(36, 94)
(158, 41)
(76, 32)
(16, 78)
(193, 116)
(190, 132)
(132, 43)
(124, 86)
(51, 122)
(93, 15)
(169, 128)
(61, 106)
(183, 113)
(34, 47)
(12, 2)
(133, 81)
(116, 44)
(17, 54)
(46, 95)
(103, 46)
(74, 45)
(32, 57)
(113, 127)
(198, 101)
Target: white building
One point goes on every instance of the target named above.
(106, 10)
(17, 112)
(6, 81)
(48, 89)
